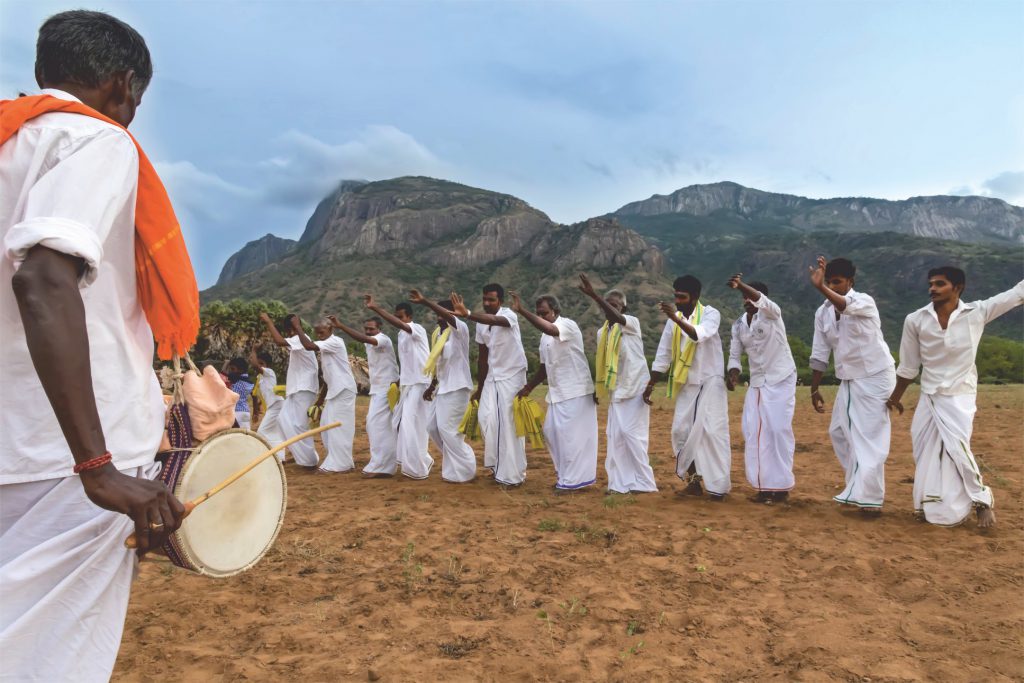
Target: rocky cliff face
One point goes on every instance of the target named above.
(317, 223)
(254, 256)
(965, 219)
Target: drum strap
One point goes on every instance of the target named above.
(179, 433)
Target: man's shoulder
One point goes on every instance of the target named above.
(77, 129)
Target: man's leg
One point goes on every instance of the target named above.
(634, 419)
(338, 441)
(458, 462)
(270, 427)
(576, 423)
(413, 456)
(381, 435)
(294, 421)
(683, 421)
(510, 457)
(710, 438)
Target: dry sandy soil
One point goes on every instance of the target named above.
(401, 580)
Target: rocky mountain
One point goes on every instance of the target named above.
(965, 219)
(254, 256)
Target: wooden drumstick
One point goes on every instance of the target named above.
(191, 505)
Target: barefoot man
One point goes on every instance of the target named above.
(449, 390)
(847, 325)
(570, 425)
(690, 357)
(941, 340)
(410, 416)
(769, 403)
(501, 373)
(270, 424)
(301, 387)
(622, 369)
(93, 269)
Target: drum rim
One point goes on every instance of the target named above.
(185, 548)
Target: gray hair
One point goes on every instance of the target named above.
(88, 48)
(619, 293)
(551, 301)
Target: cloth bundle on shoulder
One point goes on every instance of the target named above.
(529, 421)
(211, 405)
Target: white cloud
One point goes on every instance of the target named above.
(201, 194)
(1008, 186)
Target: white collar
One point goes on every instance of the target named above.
(60, 94)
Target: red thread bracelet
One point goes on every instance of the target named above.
(94, 463)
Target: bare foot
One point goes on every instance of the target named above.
(986, 518)
(870, 513)
(693, 489)
(716, 497)
(781, 496)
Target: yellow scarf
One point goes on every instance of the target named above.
(529, 421)
(683, 352)
(437, 341)
(470, 426)
(394, 393)
(608, 341)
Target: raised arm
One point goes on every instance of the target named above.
(609, 311)
(1003, 303)
(672, 314)
(351, 331)
(817, 274)
(417, 297)
(483, 318)
(389, 318)
(540, 323)
(736, 282)
(275, 336)
(306, 342)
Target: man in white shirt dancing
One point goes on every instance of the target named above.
(301, 387)
(941, 340)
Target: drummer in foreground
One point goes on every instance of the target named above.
(78, 385)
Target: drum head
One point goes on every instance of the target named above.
(231, 531)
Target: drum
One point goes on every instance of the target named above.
(231, 531)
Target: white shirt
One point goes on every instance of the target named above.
(268, 380)
(633, 374)
(382, 366)
(566, 363)
(505, 356)
(68, 182)
(947, 355)
(302, 368)
(413, 349)
(764, 340)
(453, 366)
(337, 372)
(855, 340)
(708, 361)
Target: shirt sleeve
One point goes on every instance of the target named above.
(768, 308)
(567, 330)
(333, 344)
(72, 207)
(481, 334)
(294, 344)
(708, 325)
(860, 305)
(663, 357)
(820, 349)
(910, 350)
(736, 347)
(1002, 303)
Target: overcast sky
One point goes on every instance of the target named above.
(257, 109)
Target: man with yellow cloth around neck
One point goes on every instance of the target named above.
(690, 358)
(622, 369)
(94, 269)
(449, 390)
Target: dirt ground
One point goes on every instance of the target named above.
(401, 580)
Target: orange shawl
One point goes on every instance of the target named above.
(164, 278)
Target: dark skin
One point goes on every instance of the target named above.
(399, 319)
(322, 330)
(612, 307)
(370, 330)
(543, 320)
(491, 304)
(445, 318)
(749, 295)
(53, 315)
(684, 303)
(835, 289)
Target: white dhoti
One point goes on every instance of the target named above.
(270, 427)
(768, 433)
(627, 462)
(294, 419)
(570, 429)
(244, 419)
(860, 437)
(380, 432)
(700, 434)
(504, 451)
(947, 480)
(458, 461)
(410, 421)
(65, 577)
(338, 441)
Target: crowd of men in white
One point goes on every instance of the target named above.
(433, 376)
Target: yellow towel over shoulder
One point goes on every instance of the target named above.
(683, 351)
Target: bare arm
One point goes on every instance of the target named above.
(817, 400)
(609, 312)
(482, 366)
(306, 342)
(483, 318)
(538, 377)
(417, 298)
(895, 398)
(275, 336)
(817, 274)
(351, 331)
(670, 312)
(390, 319)
(540, 323)
(736, 282)
(52, 312)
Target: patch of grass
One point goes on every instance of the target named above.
(573, 607)
(549, 525)
(412, 571)
(617, 500)
(632, 650)
(460, 647)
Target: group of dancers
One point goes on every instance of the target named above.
(424, 393)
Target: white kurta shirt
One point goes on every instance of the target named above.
(764, 340)
(855, 340)
(302, 368)
(381, 363)
(946, 357)
(633, 374)
(453, 371)
(413, 349)
(505, 355)
(708, 361)
(566, 362)
(268, 380)
(337, 372)
(68, 182)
